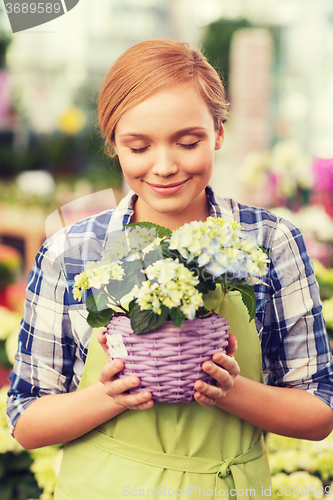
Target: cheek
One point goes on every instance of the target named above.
(133, 167)
(201, 163)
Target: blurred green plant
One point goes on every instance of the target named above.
(325, 279)
(17, 482)
(289, 456)
(65, 157)
(10, 265)
(9, 330)
(216, 42)
(25, 475)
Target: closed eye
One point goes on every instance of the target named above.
(139, 150)
(190, 146)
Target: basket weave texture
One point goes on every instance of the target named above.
(168, 360)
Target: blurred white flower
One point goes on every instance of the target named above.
(9, 322)
(7, 442)
(291, 166)
(297, 485)
(36, 182)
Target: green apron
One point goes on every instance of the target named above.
(172, 449)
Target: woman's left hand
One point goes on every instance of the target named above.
(224, 369)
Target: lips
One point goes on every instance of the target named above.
(168, 188)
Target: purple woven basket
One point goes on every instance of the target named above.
(168, 361)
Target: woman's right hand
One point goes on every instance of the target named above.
(117, 388)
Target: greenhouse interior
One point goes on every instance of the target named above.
(276, 60)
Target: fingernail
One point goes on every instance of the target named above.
(208, 367)
(199, 385)
(119, 365)
(134, 381)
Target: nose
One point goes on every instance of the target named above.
(164, 163)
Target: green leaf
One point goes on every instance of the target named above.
(96, 302)
(177, 316)
(102, 318)
(265, 251)
(133, 276)
(99, 314)
(166, 252)
(146, 321)
(131, 305)
(202, 312)
(161, 230)
(248, 298)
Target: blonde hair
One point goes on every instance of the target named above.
(150, 67)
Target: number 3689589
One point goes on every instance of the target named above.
(32, 8)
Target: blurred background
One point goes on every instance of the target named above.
(276, 58)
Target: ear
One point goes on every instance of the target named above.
(219, 137)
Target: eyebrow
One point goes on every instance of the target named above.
(179, 133)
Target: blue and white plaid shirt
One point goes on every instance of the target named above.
(54, 336)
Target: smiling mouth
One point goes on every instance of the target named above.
(168, 188)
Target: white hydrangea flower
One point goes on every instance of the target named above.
(115, 251)
(220, 247)
(173, 286)
(96, 276)
(141, 240)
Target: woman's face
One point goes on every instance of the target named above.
(166, 150)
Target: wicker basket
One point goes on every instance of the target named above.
(168, 361)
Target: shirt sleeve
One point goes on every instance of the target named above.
(46, 348)
(300, 351)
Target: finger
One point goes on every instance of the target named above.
(109, 370)
(119, 386)
(139, 401)
(204, 400)
(224, 379)
(232, 345)
(142, 406)
(210, 391)
(227, 362)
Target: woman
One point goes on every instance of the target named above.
(162, 109)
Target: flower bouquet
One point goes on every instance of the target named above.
(152, 285)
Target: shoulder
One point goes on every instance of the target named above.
(68, 248)
(93, 228)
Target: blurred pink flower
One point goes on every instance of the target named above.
(322, 169)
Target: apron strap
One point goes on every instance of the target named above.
(231, 466)
(195, 465)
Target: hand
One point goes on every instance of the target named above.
(116, 388)
(224, 369)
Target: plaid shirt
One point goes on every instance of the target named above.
(54, 336)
